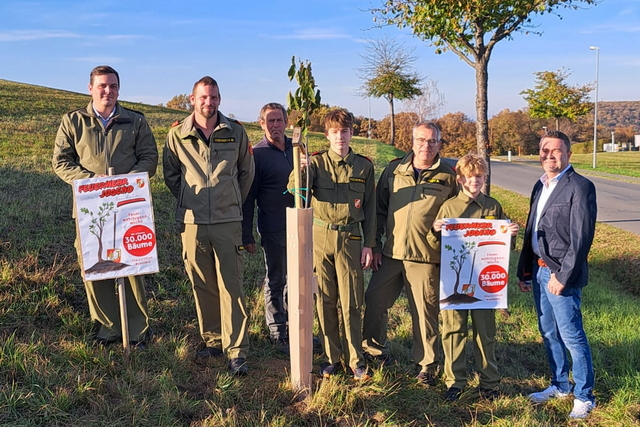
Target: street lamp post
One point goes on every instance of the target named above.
(595, 110)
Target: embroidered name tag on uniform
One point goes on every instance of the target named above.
(355, 237)
(361, 180)
(435, 181)
(224, 140)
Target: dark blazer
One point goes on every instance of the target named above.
(565, 230)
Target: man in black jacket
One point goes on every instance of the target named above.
(557, 240)
(273, 158)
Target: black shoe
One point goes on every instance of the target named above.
(327, 370)
(427, 378)
(138, 345)
(209, 352)
(382, 359)
(282, 344)
(452, 394)
(238, 366)
(489, 394)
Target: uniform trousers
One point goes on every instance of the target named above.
(421, 282)
(454, 337)
(213, 261)
(104, 306)
(340, 282)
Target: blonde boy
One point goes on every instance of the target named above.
(471, 171)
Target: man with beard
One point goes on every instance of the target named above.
(208, 166)
(273, 158)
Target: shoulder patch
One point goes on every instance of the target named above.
(364, 157)
(235, 121)
(318, 152)
(133, 111)
(176, 123)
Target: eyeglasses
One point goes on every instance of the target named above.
(422, 141)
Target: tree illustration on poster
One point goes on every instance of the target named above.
(456, 264)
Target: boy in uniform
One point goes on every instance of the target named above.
(342, 191)
(470, 202)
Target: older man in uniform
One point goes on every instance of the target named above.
(208, 166)
(91, 140)
(273, 157)
(409, 195)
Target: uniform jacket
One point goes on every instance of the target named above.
(85, 148)
(210, 181)
(463, 206)
(343, 191)
(565, 230)
(407, 207)
(273, 167)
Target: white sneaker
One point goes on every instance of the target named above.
(581, 409)
(546, 394)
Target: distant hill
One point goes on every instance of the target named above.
(30, 116)
(616, 114)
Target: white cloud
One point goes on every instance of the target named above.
(22, 35)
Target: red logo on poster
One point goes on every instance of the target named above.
(139, 240)
(493, 278)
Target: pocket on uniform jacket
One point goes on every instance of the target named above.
(357, 187)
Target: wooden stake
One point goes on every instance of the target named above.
(299, 281)
(122, 299)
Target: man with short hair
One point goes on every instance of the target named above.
(89, 141)
(273, 157)
(208, 166)
(410, 192)
(560, 230)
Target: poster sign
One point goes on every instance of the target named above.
(114, 218)
(474, 269)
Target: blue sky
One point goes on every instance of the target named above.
(161, 48)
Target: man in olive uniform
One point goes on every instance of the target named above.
(342, 191)
(409, 194)
(91, 140)
(208, 166)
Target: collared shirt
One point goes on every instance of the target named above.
(548, 185)
(103, 120)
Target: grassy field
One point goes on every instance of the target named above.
(51, 375)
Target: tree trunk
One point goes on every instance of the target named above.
(392, 137)
(482, 121)
(557, 123)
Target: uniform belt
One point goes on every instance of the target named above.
(541, 263)
(337, 227)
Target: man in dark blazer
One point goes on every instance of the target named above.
(558, 237)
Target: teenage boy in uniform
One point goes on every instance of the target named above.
(470, 202)
(341, 187)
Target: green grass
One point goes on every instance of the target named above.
(621, 163)
(50, 375)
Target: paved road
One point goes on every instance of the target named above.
(618, 201)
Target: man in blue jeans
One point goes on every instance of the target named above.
(557, 240)
(273, 158)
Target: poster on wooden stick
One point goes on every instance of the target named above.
(114, 218)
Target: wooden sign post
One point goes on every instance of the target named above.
(299, 279)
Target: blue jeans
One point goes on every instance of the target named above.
(560, 323)
(275, 283)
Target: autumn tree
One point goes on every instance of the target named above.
(387, 74)
(457, 133)
(552, 97)
(404, 123)
(515, 131)
(471, 29)
(180, 102)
